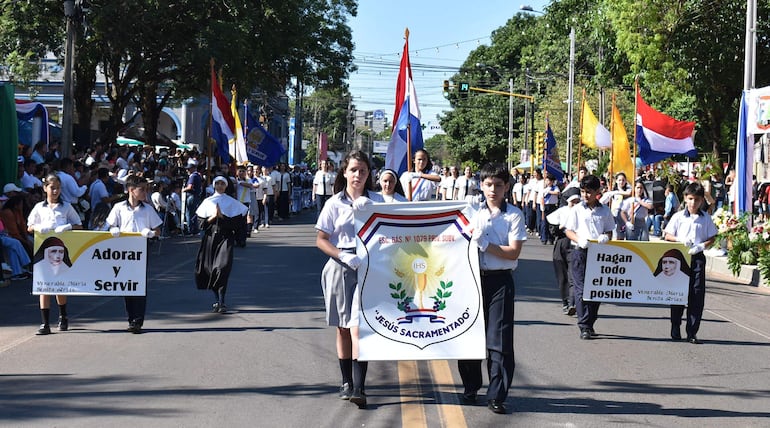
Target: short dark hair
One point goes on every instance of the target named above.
(134, 181)
(590, 182)
(495, 170)
(695, 189)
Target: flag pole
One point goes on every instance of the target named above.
(409, 166)
(211, 116)
(580, 143)
(636, 98)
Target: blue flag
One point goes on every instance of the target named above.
(261, 147)
(551, 161)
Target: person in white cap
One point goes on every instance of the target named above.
(11, 190)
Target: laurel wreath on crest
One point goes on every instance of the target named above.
(404, 302)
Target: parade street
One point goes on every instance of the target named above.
(271, 361)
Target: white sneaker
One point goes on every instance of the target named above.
(267, 226)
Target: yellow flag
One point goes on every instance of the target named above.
(593, 134)
(621, 151)
(238, 143)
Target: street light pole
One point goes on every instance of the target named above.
(510, 124)
(570, 101)
(67, 100)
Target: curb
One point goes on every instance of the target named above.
(716, 268)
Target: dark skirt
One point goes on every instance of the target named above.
(215, 256)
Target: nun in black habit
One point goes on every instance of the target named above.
(220, 215)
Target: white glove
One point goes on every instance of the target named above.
(480, 240)
(688, 243)
(602, 239)
(583, 243)
(63, 228)
(42, 229)
(148, 233)
(697, 248)
(361, 203)
(115, 231)
(350, 259)
(629, 226)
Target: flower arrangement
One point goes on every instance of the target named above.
(744, 246)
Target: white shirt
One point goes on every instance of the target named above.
(422, 189)
(43, 215)
(97, 192)
(29, 181)
(503, 229)
(336, 219)
(133, 219)
(269, 189)
(466, 187)
(697, 228)
(323, 183)
(589, 223)
(449, 184)
(70, 191)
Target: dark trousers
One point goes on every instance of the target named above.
(498, 292)
(531, 223)
(695, 300)
(260, 214)
(135, 308)
(320, 201)
(270, 209)
(587, 312)
(283, 204)
(545, 228)
(561, 255)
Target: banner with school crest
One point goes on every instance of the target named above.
(87, 263)
(420, 291)
(638, 272)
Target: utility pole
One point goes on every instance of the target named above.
(526, 114)
(70, 11)
(510, 124)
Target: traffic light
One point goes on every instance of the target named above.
(464, 88)
(539, 145)
(446, 88)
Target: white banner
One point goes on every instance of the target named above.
(652, 273)
(420, 286)
(90, 263)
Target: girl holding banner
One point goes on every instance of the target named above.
(634, 212)
(52, 215)
(337, 239)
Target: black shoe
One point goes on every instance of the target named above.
(215, 307)
(64, 324)
(222, 308)
(571, 311)
(565, 309)
(585, 334)
(468, 398)
(43, 330)
(358, 398)
(694, 340)
(592, 332)
(676, 334)
(345, 391)
(134, 328)
(497, 406)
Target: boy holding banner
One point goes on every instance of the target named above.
(589, 219)
(499, 233)
(135, 215)
(694, 228)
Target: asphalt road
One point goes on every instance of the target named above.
(271, 362)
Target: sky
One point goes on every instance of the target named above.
(441, 35)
